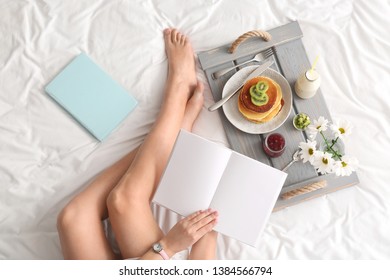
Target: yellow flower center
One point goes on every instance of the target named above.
(343, 164)
(325, 160)
(318, 127)
(342, 130)
(311, 151)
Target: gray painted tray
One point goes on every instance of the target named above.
(291, 61)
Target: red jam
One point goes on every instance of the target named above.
(274, 144)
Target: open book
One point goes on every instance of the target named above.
(201, 174)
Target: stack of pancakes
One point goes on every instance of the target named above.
(265, 112)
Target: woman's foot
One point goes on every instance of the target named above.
(194, 105)
(181, 61)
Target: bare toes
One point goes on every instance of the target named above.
(167, 35)
(182, 39)
(174, 35)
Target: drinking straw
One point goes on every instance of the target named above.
(314, 64)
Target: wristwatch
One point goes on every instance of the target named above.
(157, 248)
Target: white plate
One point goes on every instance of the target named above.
(232, 113)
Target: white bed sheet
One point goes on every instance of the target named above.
(46, 158)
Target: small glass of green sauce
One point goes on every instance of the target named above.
(301, 121)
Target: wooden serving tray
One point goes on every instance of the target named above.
(291, 61)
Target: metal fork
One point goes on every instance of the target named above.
(258, 57)
(295, 158)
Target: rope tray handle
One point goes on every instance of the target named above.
(254, 33)
(304, 189)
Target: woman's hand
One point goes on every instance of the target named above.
(189, 230)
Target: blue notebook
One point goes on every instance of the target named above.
(91, 96)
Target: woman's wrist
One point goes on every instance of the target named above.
(167, 247)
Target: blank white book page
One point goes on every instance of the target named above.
(245, 197)
(192, 175)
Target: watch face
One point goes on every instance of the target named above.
(157, 247)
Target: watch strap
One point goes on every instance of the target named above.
(164, 255)
(157, 248)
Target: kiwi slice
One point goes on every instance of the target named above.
(257, 93)
(261, 100)
(262, 86)
(254, 92)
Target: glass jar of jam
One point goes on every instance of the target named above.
(274, 144)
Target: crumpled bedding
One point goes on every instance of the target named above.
(47, 158)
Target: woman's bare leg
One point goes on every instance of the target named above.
(80, 225)
(129, 203)
(205, 248)
(83, 215)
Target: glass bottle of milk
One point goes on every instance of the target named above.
(307, 84)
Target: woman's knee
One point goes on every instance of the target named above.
(70, 215)
(121, 200)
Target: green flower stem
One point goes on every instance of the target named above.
(329, 147)
(334, 142)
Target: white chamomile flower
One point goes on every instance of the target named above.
(323, 162)
(318, 126)
(329, 158)
(345, 166)
(308, 150)
(341, 128)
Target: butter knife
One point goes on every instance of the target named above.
(255, 73)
